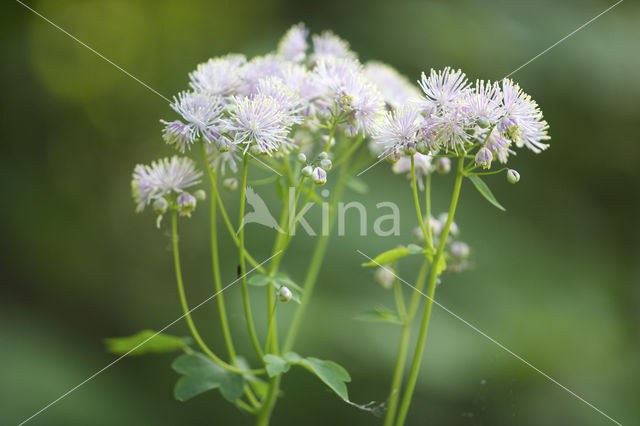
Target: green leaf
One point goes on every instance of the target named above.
(276, 365)
(357, 185)
(332, 374)
(415, 249)
(379, 314)
(146, 341)
(485, 191)
(389, 256)
(201, 374)
(259, 280)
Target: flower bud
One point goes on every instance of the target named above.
(160, 206)
(460, 250)
(393, 156)
(351, 131)
(256, 150)
(443, 165)
(512, 176)
(410, 148)
(230, 184)
(302, 158)
(484, 157)
(422, 148)
(323, 156)
(326, 164)
(224, 144)
(200, 195)
(307, 171)
(319, 176)
(186, 204)
(384, 277)
(284, 294)
(483, 122)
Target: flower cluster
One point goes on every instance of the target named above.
(454, 115)
(163, 183)
(258, 106)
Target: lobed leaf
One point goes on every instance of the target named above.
(201, 374)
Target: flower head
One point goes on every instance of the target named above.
(398, 128)
(163, 177)
(293, 44)
(443, 89)
(258, 68)
(202, 113)
(260, 121)
(329, 46)
(218, 76)
(395, 88)
(522, 119)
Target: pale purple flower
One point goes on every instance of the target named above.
(348, 92)
(450, 130)
(398, 128)
(329, 46)
(484, 102)
(395, 88)
(304, 84)
(443, 89)
(202, 113)
(522, 119)
(275, 88)
(260, 121)
(293, 44)
(258, 68)
(162, 177)
(218, 76)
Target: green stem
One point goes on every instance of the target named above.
(232, 233)
(398, 372)
(309, 283)
(416, 201)
(427, 203)
(433, 275)
(245, 291)
(215, 261)
(185, 306)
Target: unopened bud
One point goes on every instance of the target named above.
(307, 171)
(460, 250)
(302, 158)
(256, 150)
(422, 148)
(200, 194)
(160, 206)
(384, 276)
(224, 144)
(319, 176)
(186, 203)
(393, 156)
(410, 148)
(230, 184)
(513, 176)
(326, 164)
(484, 157)
(483, 122)
(443, 165)
(284, 294)
(323, 156)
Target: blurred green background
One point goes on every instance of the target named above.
(555, 278)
